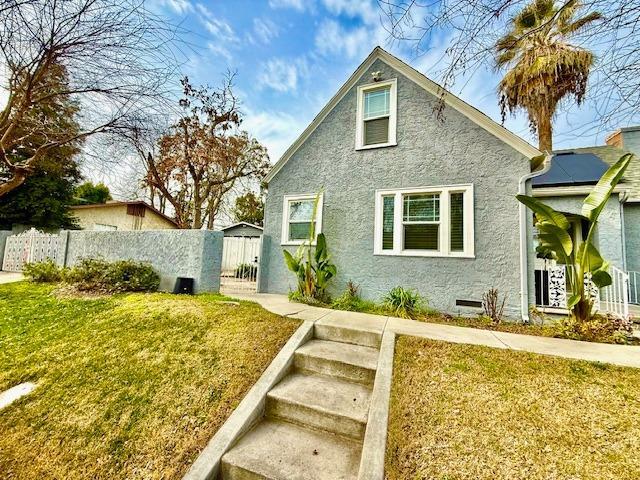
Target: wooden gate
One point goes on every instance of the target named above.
(240, 264)
(29, 246)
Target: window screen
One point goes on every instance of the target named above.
(421, 208)
(300, 217)
(376, 116)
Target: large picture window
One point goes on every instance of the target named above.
(429, 221)
(297, 217)
(376, 115)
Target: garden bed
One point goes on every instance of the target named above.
(461, 411)
(128, 386)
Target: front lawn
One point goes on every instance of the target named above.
(461, 411)
(129, 386)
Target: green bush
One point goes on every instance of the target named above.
(43, 272)
(120, 276)
(403, 302)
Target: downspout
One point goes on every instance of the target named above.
(524, 260)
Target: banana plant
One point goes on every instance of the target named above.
(584, 259)
(312, 266)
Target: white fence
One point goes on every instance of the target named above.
(27, 247)
(240, 263)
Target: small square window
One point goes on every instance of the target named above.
(298, 225)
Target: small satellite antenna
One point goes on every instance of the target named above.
(376, 76)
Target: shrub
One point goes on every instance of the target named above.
(600, 328)
(120, 276)
(350, 299)
(43, 272)
(492, 306)
(247, 270)
(296, 296)
(403, 302)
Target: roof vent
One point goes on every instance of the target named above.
(377, 76)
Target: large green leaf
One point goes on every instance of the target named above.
(601, 278)
(543, 212)
(593, 260)
(598, 197)
(573, 300)
(292, 263)
(555, 239)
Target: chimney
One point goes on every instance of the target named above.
(627, 138)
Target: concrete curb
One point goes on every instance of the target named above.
(375, 436)
(250, 409)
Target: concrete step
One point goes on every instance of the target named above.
(278, 450)
(341, 360)
(351, 327)
(334, 405)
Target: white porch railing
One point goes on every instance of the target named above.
(552, 291)
(615, 297)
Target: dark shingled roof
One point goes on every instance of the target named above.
(569, 168)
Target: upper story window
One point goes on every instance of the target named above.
(376, 115)
(297, 218)
(427, 222)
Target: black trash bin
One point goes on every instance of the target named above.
(184, 285)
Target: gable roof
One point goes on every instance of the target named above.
(116, 203)
(430, 86)
(242, 224)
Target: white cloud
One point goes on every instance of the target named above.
(283, 75)
(265, 30)
(365, 10)
(333, 39)
(220, 51)
(275, 130)
(179, 6)
(295, 4)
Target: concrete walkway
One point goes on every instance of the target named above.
(8, 277)
(624, 355)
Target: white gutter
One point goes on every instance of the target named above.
(524, 261)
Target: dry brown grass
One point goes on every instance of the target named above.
(469, 412)
(129, 386)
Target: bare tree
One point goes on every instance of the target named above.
(117, 54)
(472, 28)
(193, 163)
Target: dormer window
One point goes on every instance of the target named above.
(376, 115)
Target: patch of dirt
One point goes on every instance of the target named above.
(65, 292)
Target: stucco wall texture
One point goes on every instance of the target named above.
(632, 236)
(430, 152)
(116, 215)
(195, 254)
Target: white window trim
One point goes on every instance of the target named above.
(444, 231)
(393, 114)
(284, 240)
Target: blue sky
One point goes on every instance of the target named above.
(291, 56)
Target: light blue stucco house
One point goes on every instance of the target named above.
(415, 192)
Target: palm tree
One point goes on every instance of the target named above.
(543, 66)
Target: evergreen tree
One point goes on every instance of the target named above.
(249, 208)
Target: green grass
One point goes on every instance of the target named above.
(129, 386)
(461, 411)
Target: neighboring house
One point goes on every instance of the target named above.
(242, 229)
(134, 215)
(417, 193)
(572, 175)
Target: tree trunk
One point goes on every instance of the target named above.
(544, 132)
